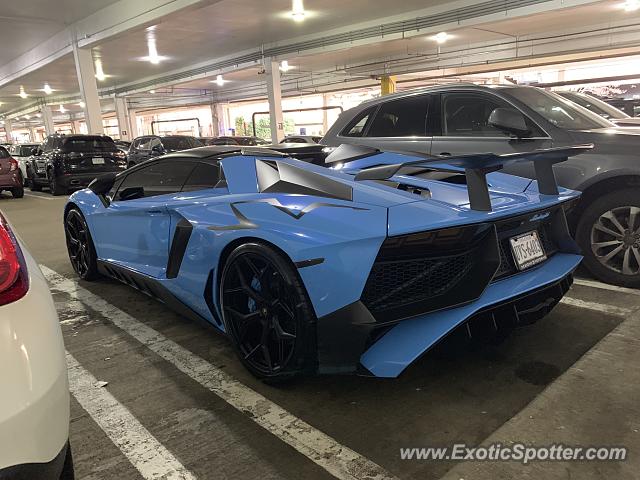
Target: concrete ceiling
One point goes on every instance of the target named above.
(24, 25)
(208, 33)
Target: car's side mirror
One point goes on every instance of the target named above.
(131, 193)
(510, 121)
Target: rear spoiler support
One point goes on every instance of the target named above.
(477, 166)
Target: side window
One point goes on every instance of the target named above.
(406, 117)
(48, 144)
(4, 153)
(467, 115)
(357, 126)
(135, 144)
(161, 178)
(202, 177)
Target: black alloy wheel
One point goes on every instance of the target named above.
(17, 192)
(54, 187)
(609, 235)
(266, 312)
(82, 253)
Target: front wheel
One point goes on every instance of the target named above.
(17, 192)
(609, 234)
(267, 313)
(34, 186)
(82, 252)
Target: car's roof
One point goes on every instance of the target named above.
(215, 151)
(438, 88)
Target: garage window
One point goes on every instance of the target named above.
(406, 117)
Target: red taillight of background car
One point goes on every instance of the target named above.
(13, 165)
(14, 281)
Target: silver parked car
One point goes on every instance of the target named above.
(602, 108)
(459, 119)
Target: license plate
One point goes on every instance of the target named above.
(97, 161)
(527, 250)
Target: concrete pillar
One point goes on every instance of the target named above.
(215, 120)
(387, 84)
(8, 124)
(133, 124)
(88, 89)
(47, 119)
(274, 94)
(32, 134)
(325, 117)
(122, 115)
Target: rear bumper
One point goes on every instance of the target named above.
(34, 398)
(77, 180)
(351, 339)
(11, 180)
(42, 471)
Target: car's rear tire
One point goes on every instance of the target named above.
(82, 252)
(17, 192)
(67, 469)
(54, 187)
(608, 232)
(267, 313)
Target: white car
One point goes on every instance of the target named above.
(21, 152)
(34, 391)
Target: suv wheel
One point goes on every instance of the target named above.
(55, 188)
(17, 192)
(609, 234)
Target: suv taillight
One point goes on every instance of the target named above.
(13, 165)
(14, 281)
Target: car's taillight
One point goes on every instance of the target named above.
(14, 280)
(13, 165)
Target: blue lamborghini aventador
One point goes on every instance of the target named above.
(360, 267)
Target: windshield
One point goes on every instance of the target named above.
(88, 144)
(559, 111)
(595, 105)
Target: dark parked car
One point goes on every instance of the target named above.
(459, 119)
(236, 140)
(65, 162)
(10, 176)
(150, 146)
(602, 108)
(302, 139)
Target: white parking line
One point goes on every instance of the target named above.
(337, 459)
(605, 286)
(597, 307)
(144, 451)
(38, 196)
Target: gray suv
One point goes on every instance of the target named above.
(460, 119)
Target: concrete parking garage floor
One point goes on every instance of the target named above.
(571, 378)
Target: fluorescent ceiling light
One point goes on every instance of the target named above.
(62, 109)
(152, 91)
(285, 67)
(219, 81)
(82, 104)
(99, 71)
(47, 89)
(22, 93)
(38, 115)
(631, 5)
(441, 37)
(153, 56)
(297, 10)
(27, 117)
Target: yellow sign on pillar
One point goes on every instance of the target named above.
(387, 84)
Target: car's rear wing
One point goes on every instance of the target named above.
(475, 166)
